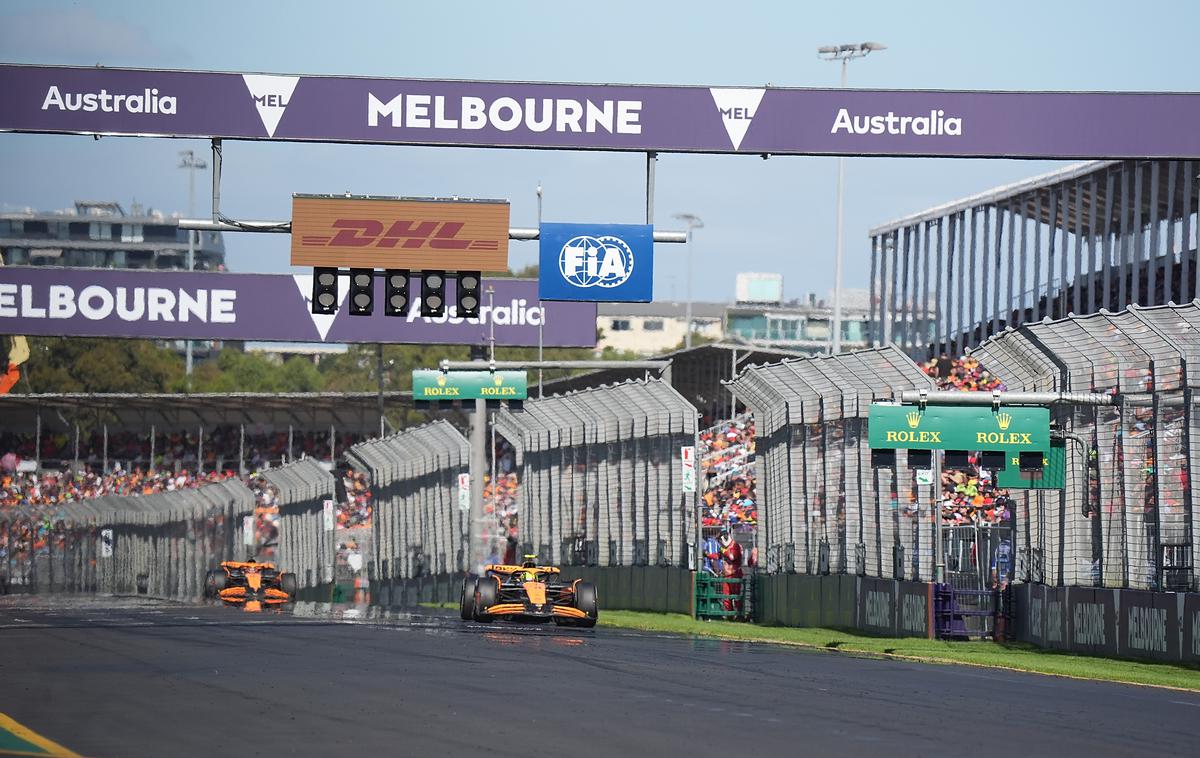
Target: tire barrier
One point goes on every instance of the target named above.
(307, 522)
(1126, 518)
(823, 509)
(601, 475)
(159, 545)
(418, 526)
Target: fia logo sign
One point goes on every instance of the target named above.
(605, 261)
(271, 95)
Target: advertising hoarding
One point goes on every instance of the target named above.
(596, 262)
(750, 120)
(52, 301)
(432, 384)
(382, 233)
(1017, 429)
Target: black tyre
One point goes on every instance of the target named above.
(289, 584)
(209, 582)
(143, 584)
(217, 581)
(585, 600)
(487, 594)
(466, 601)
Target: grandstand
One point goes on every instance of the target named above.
(1093, 236)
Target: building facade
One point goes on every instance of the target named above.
(650, 328)
(103, 235)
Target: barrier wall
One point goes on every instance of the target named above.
(307, 519)
(1163, 626)
(822, 507)
(418, 526)
(160, 544)
(601, 479)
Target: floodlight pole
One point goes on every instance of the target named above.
(541, 306)
(844, 54)
(188, 160)
(693, 222)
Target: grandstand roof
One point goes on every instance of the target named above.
(696, 373)
(1032, 197)
(345, 411)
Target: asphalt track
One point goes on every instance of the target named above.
(121, 677)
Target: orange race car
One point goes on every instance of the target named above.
(250, 581)
(528, 592)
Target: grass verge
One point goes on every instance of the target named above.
(1014, 655)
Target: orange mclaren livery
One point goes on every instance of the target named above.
(250, 581)
(530, 593)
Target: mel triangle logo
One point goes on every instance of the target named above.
(737, 108)
(320, 320)
(271, 95)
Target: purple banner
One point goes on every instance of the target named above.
(600, 117)
(265, 307)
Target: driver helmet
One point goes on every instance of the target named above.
(530, 562)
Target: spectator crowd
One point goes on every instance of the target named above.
(727, 458)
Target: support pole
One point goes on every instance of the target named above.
(37, 443)
(476, 554)
(651, 159)
(242, 450)
(152, 435)
(939, 550)
(77, 446)
(379, 370)
(331, 450)
(291, 457)
(200, 452)
(104, 453)
(216, 180)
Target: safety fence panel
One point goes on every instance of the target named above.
(1125, 518)
(602, 475)
(419, 526)
(823, 509)
(307, 519)
(160, 544)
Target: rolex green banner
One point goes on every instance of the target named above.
(943, 427)
(1052, 476)
(432, 384)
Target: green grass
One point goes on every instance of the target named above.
(1013, 655)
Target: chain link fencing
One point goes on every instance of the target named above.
(419, 524)
(823, 508)
(160, 544)
(602, 476)
(1125, 518)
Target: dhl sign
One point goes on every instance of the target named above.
(417, 234)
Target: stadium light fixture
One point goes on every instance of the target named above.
(325, 291)
(693, 222)
(395, 292)
(843, 54)
(467, 288)
(433, 293)
(362, 291)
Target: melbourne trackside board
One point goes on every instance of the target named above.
(45, 300)
(1015, 429)
(752, 120)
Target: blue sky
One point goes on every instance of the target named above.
(775, 215)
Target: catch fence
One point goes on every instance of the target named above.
(602, 476)
(823, 508)
(160, 544)
(419, 527)
(1126, 518)
(304, 492)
